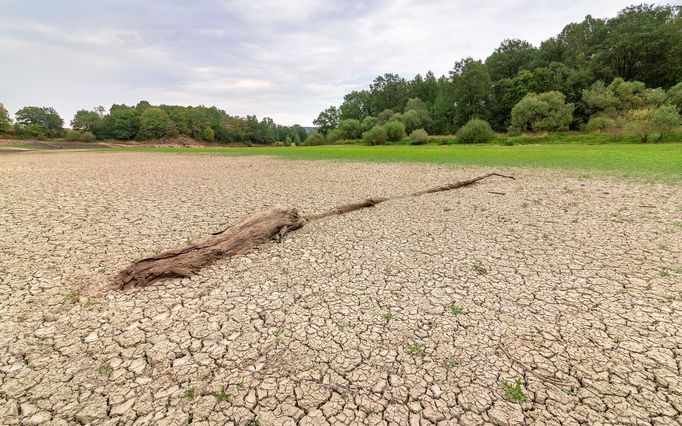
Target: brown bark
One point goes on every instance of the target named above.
(271, 224)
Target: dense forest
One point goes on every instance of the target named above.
(595, 74)
(145, 121)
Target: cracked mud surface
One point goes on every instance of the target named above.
(417, 311)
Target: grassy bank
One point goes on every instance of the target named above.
(647, 161)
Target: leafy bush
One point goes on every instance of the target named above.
(335, 135)
(664, 120)
(419, 136)
(314, 138)
(395, 130)
(368, 123)
(475, 131)
(5, 120)
(351, 128)
(542, 112)
(384, 116)
(375, 136)
(674, 96)
(599, 123)
(72, 135)
(87, 137)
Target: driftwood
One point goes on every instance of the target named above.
(271, 224)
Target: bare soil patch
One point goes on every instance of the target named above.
(554, 298)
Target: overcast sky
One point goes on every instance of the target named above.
(283, 59)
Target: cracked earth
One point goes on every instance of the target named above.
(552, 299)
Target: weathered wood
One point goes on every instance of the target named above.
(253, 231)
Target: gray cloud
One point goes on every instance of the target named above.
(287, 60)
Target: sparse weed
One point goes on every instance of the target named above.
(449, 365)
(514, 391)
(188, 393)
(480, 269)
(22, 318)
(456, 309)
(284, 272)
(414, 348)
(222, 396)
(105, 369)
(387, 316)
(72, 296)
(277, 332)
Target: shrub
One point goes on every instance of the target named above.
(351, 128)
(664, 120)
(674, 96)
(475, 131)
(384, 116)
(599, 123)
(542, 112)
(368, 123)
(375, 136)
(87, 137)
(72, 135)
(395, 130)
(335, 135)
(419, 136)
(314, 138)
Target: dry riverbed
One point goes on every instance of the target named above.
(555, 298)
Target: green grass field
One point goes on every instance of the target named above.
(642, 161)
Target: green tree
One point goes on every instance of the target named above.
(5, 120)
(154, 123)
(43, 121)
(542, 112)
(85, 120)
(621, 96)
(471, 89)
(327, 120)
(512, 56)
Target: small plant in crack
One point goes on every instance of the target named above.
(188, 241)
(105, 369)
(567, 190)
(284, 271)
(387, 271)
(72, 296)
(31, 366)
(278, 332)
(367, 410)
(456, 310)
(525, 205)
(222, 396)
(22, 318)
(188, 393)
(513, 391)
(480, 269)
(102, 270)
(665, 273)
(446, 209)
(387, 316)
(537, 202)
(254, 422)
(414, 348)
(449, 365)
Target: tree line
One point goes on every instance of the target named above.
(145, 121)
(616, 73)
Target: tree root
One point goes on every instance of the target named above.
(257, 229)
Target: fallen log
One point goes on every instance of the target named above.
(257, 229)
